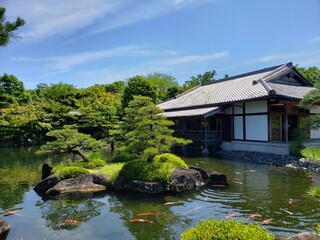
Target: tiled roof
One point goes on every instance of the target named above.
(253, 85)
(192, 112)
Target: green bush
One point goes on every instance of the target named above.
(226, 229)
(314, 191)
(121, 158)
(313, 154)
(168, 157)
(318, 228)
(64, 172)
(95, 163)
(159, 170)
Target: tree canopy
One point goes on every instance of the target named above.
(7, 28)
(207, 77)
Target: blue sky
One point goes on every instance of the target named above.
(87, 42)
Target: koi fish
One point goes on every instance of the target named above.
(231, 215)
(172, 203)
(147, 214)
(290, 202)
(139, 220)
(266, 221)
(286, 211)
(71, 222)
(237, 182)
(218, 185)
(252, 216)
(10, 212)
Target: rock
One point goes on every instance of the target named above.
(46, 171)
(138, 186)
(205, 176)
(185, 179)
(218, 178)
(4, 229)
(304, 236)
(46, 183)
(83, 183)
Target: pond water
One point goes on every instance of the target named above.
(263, 192)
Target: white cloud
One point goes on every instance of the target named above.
(287, 56)
(193, 59)
(85, 17)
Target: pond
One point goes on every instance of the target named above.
(263, 192)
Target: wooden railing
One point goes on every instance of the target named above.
(200, 136)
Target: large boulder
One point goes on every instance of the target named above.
(304, 236)
(205, 176)
(138, 186)
(46, 183)
(46, 171)
(217, 179)
(4, 229)
(83, 183)
(185, 179)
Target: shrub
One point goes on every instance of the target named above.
(121, 158)
(168, 157)
(314, 191)
(318, 228)
(159, 170)
(313, 154)
(95, 163)
(64, 172)
(225, 230)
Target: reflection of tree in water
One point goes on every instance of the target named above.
(69, 213)
(128, 205)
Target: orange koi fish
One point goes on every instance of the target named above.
(147, 214)
(252, 216)
(266, 221)
(72, 222)
(10, 212)
(231, 215)
(139, 220)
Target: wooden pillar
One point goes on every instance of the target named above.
(205, 150)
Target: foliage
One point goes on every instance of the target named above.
(296, 144)
(121, 158)
(318, 228)
(12, 91)
(70, 141)
(110, 170)
(138, 85)
(312, 154)
(116, 87)
(169, 157)
(207, 77)
(64, 172)
(314, 191)
(311, 73)
(225, 230)
(158, 170)
(145, 132)
(7, 28)
(164, 85)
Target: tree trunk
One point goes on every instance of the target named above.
(81, 154)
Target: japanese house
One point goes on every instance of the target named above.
(255, 111)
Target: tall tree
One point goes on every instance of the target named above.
(163, 84)
(311, 73)
(207, 77)
(146, 131)
(138, 85)
(12, 91)
(7, 28)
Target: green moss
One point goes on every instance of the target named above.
(318, 228)
(313, 154)
(110, 170)
(64, 172)
(224, 230)
(314, 191)
(159, 170)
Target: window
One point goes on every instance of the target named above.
(276, 128)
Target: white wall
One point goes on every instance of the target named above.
(257, 107)
(238, 127)
(257, 128)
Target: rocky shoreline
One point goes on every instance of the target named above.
(270, 159)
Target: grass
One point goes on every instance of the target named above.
(110, 170)
(312, 154)
(314, 191)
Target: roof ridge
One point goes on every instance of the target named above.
(249, 73)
